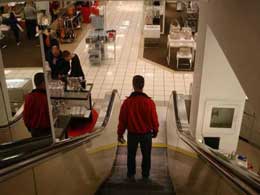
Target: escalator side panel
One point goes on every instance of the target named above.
(22, 184)
(191, 174)
(75, 172)
(79, 170)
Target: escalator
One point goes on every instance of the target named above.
(160, 182)
(94, 164)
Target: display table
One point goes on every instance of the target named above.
(178, 43)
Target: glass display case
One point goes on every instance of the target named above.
(70, 104)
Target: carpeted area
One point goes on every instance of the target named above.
(160, 182)
(28, 54)
(159, 53)
(81, 127)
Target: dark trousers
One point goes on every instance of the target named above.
(146, 146)
(39, 132)
(31, 28)
(16, 34)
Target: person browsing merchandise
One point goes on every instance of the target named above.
(30, 15)
(73, 61)
(138, 115)
(56, 63)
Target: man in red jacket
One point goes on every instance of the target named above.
(138, 115)
(36, 112)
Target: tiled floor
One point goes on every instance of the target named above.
(117, 73)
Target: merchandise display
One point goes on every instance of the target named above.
(100, 43)
(69, 101)
(183, 41)
(67, 24)
(154, 13)
(99, 40)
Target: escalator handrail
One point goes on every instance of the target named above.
(246, 183)
(25, 160)
(16, 118)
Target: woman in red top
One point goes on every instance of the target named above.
(36, 112)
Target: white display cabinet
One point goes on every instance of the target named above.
(154, 14)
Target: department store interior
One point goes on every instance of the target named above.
(199, 59)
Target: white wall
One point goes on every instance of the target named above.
(220, 84)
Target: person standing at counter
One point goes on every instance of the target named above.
(138, 115)
(36, 112)
(30, 15)
(73, 61)
(48, 41)
(56, 62)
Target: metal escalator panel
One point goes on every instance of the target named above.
(196, 168)
(160, 181)
(72, 166)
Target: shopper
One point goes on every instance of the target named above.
(14, 26)
(36, 112)
(48, 41)
(54, 9)
(73, 61)
(30, 15)
(138, 115)
(55, 61)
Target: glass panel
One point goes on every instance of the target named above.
(3, 109)
(26, 100)
(222, 117)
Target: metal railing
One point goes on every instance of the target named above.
(24, 160)
(243, 179)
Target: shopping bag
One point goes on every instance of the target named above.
(19, 27)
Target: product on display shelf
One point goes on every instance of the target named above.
(97, 22)
(156, 21)
(97, 40)
(149, 19)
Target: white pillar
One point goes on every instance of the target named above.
(221, 98)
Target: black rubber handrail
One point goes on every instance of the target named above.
(247, 183)
(25, 160)
(12, 122)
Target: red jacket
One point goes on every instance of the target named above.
(36, 112)
(138, 115)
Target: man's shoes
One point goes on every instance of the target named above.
(146, 179)
(131, 178)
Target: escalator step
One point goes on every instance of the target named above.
(160, 183)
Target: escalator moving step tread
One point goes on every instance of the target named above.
(160, 180)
